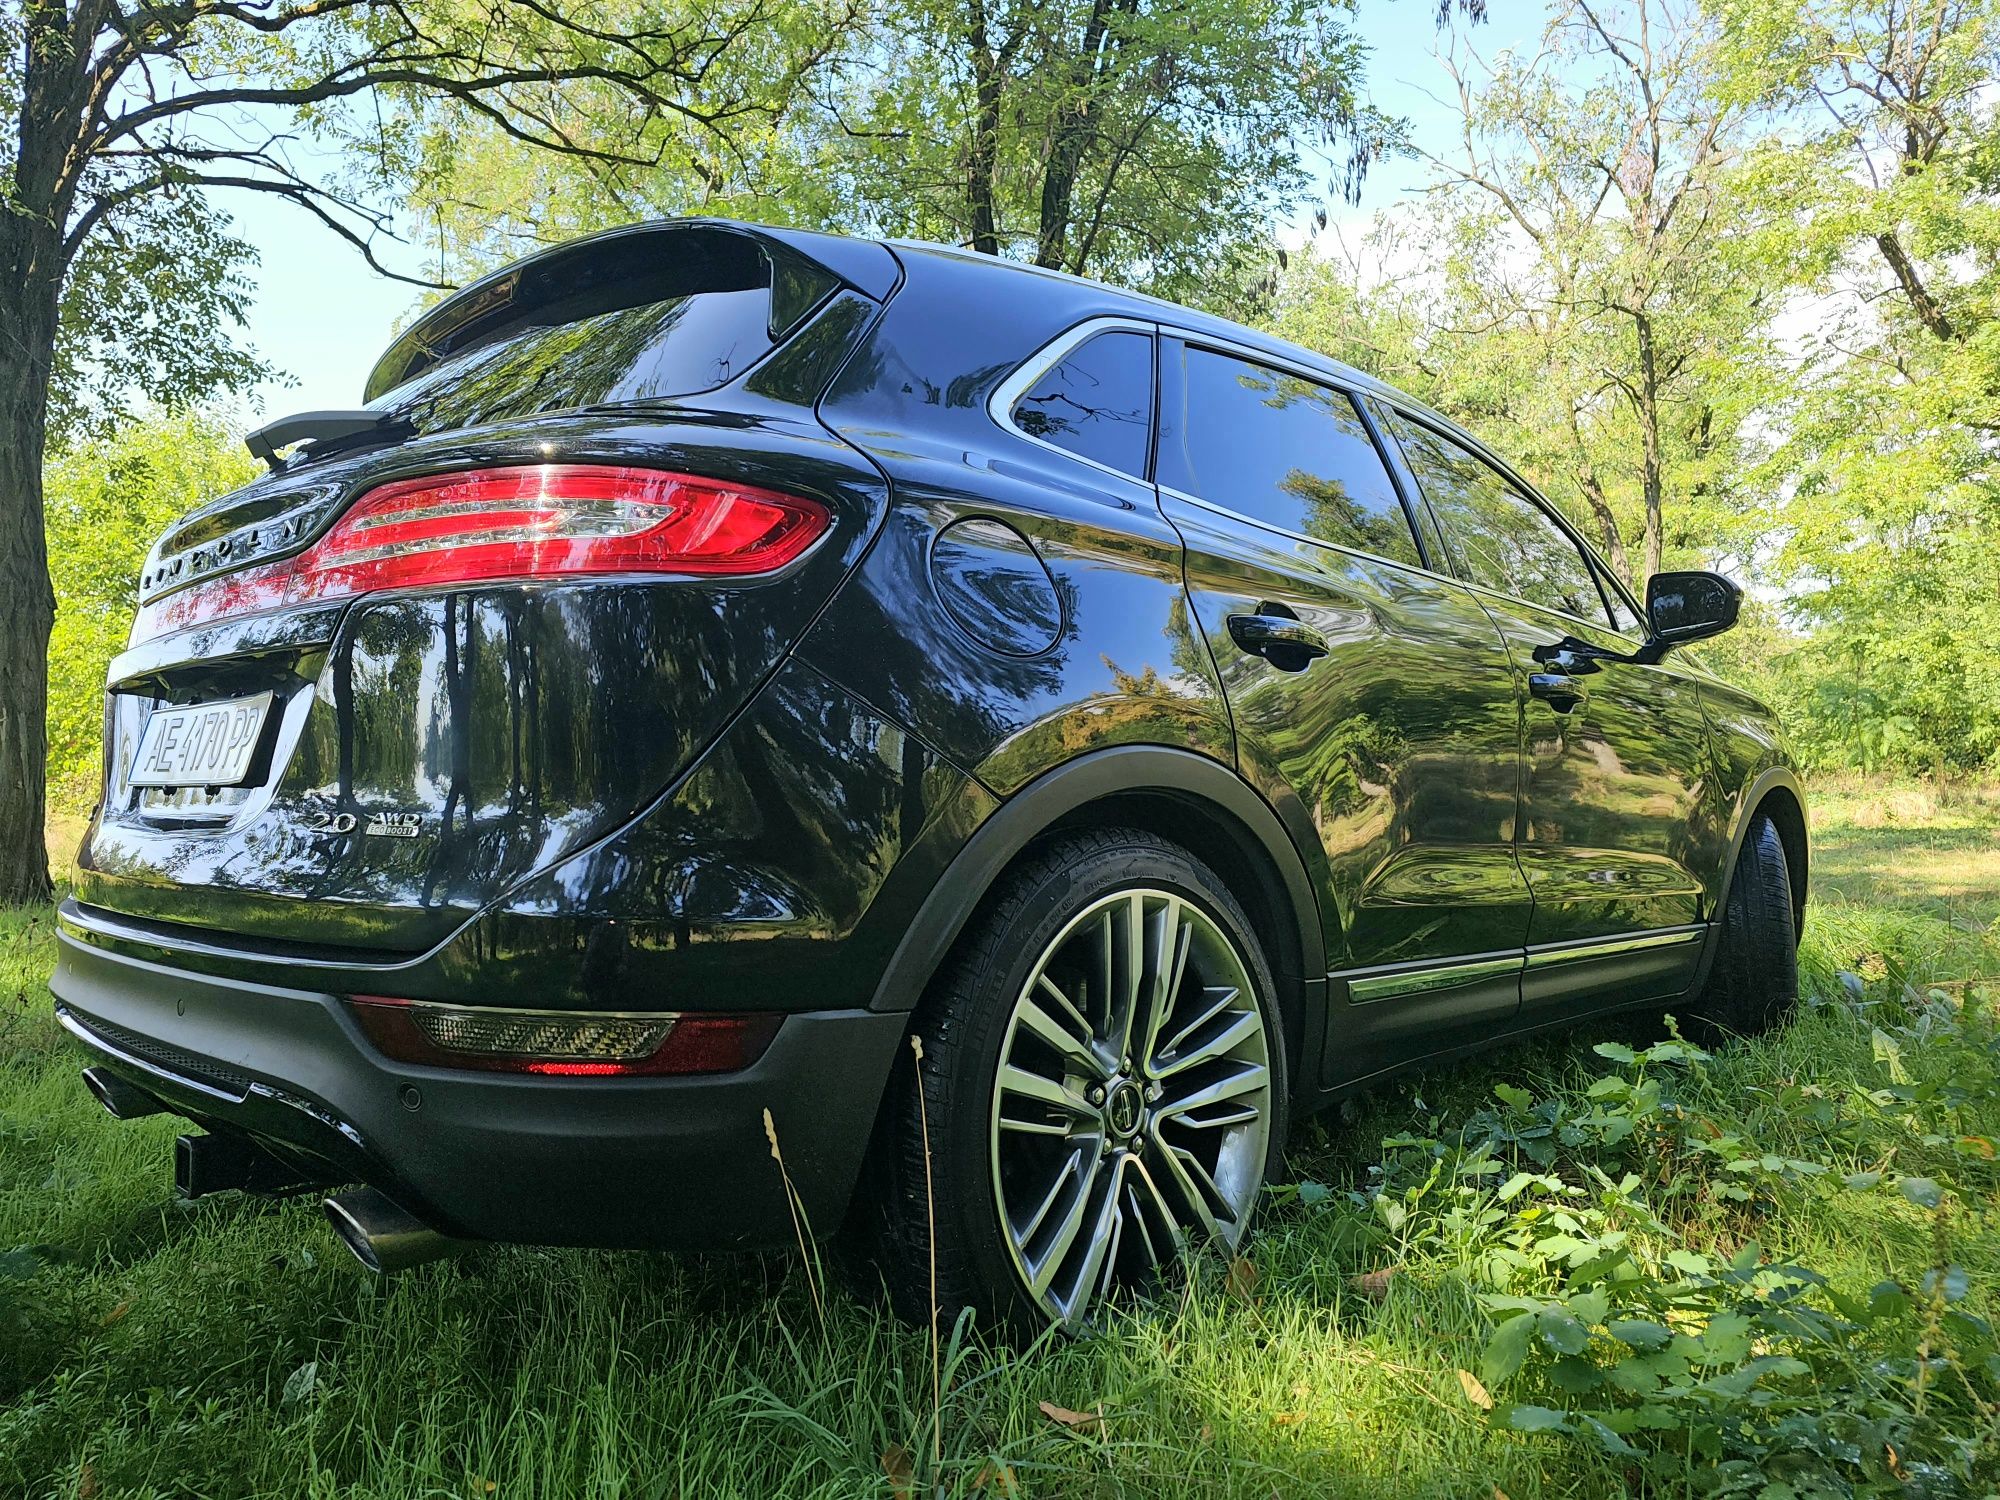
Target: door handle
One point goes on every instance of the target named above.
(1559, 690)
(1283, 641)
(1567, 659)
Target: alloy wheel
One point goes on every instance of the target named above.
(1132, 1111)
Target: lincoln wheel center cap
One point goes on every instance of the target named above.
(1124, 1109)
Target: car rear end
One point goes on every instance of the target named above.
(455, 645)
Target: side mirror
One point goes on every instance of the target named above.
(1683, 607)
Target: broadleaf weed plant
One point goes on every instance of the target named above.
(1615, 1231)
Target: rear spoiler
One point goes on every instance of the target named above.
(640, 262)
(311, 427)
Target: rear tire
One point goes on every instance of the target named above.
(1754, 984)
(1085, 1120)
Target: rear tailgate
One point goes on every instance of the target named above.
(419, 750)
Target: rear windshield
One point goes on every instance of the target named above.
(659, 317)
(677, 347)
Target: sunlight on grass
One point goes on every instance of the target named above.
(1913, 844)
(64, 832)
(227, 1347)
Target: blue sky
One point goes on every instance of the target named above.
(323, 316)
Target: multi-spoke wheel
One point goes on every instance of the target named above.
(1133, 1100)
(1103, 1084)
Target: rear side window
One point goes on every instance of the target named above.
(1504, 540)
(1285, 451)
(1097, 403)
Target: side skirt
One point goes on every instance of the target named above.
(1383, 1020)
(1580, 978)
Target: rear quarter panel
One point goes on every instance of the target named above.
(1125, 663)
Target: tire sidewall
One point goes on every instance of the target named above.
(1755, 983)
(962, 1142)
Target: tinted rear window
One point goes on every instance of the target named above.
(678, 346)
(1285, 451)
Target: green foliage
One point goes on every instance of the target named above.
(107, 502)
(1606, 1242)
(1795, 208)
(1151, 142)
(150, 314)
(1613, 1231)
(1877, 463)
(1574, 283)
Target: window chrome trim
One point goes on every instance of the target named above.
(1426, 976)
(1000, 405)
(1172, 493)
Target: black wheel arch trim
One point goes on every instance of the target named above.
(1071, 787)
(1749, 804)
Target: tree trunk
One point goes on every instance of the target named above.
(1652, 479)
(1921, 301)
(985, 152)
(1600, 503)
(29, 252)
(1607, 523)
(1075, 125)
(34, 214)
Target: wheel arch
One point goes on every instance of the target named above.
(1778, 797)
(1774, 793)
(1183, 797)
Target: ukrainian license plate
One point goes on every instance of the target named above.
(201, 744)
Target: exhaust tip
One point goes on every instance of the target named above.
(121, 1100)
(381, 1234)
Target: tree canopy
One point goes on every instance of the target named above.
(121, 121)
(1153, 142)
(1720, 274)
(1723, 278)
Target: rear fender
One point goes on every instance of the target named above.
(1105, 786)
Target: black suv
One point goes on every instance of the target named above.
(1004, 745)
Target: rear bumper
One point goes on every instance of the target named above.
(660, 1163)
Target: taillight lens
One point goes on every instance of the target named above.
(570, 1044)
(531, 521)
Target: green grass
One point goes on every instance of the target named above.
(227, 1347)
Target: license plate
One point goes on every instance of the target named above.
(203, 744)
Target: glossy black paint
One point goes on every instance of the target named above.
(538, 288)
(1683, 607)
(792, 793)
(519, 722)
(1618, 799)
(1127, 665)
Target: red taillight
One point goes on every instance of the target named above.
(537, 521)
(566, 1044)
